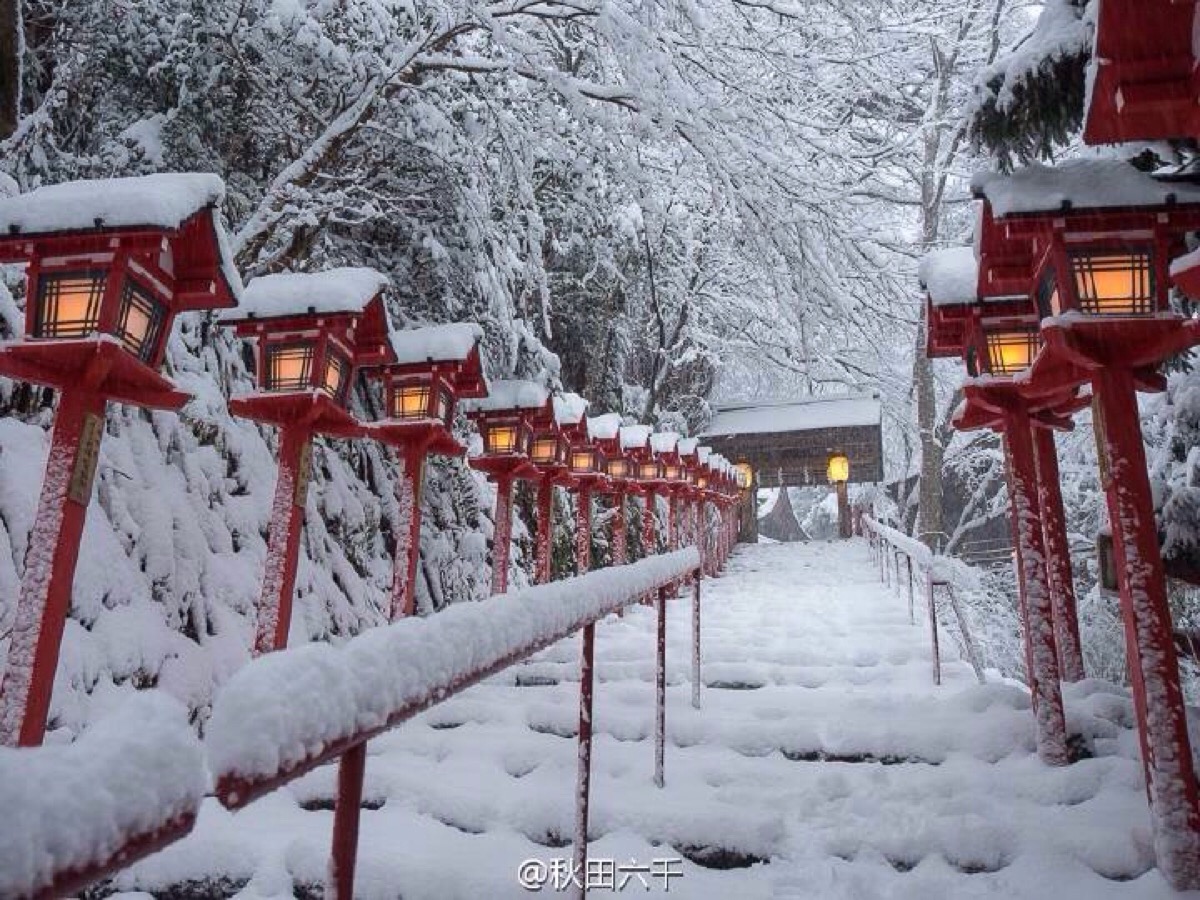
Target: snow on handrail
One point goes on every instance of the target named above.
(911, 547)
(76, 812)
(288, 712)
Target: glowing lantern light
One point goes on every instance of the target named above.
(839, 468)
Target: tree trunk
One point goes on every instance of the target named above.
(10, 66)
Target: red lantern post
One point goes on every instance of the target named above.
(1103, 235)
(433, 369)
(312, 332)
(998, 337)
(551, 456)
(587, 465)
(665, 445)
(109, 266)
(505, 420)
(606, 433)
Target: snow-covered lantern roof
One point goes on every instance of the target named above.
(1141, 77)
(950, 278)
(312, 332)
(432, 369)
(110, 264)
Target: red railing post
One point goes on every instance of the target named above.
(502, 534)
(346, 815)
(583, 782)
(660, 689)
(933, 629)
(911, 615)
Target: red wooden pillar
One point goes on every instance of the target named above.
(620, 531)
(408, 536)
(347, 813)
(50, 561)
(502, 534)
(649, 531)
(1153, 663)
(696, 638)
(1058, 558)
(583, 530)
(545, 531)
(672, 520)
(1039, 616)
(283, 546)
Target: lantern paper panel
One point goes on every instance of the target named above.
(289, 366)
(1011, 350)
(839, 468)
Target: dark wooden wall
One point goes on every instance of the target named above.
(794, 453)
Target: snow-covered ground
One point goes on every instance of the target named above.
(823, 764)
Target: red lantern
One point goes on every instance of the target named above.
(312, 332)
(432, 369)
(505, 419)
(109, 265)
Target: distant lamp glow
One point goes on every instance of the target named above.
(839, 468)
(1114, 283)
(649, 471)
(68, 304)
(617, 467)
(702, 482)
(1011, 350)
(289, 366)
(745, 475)
(672, 473)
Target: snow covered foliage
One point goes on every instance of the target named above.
(1031, 100)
